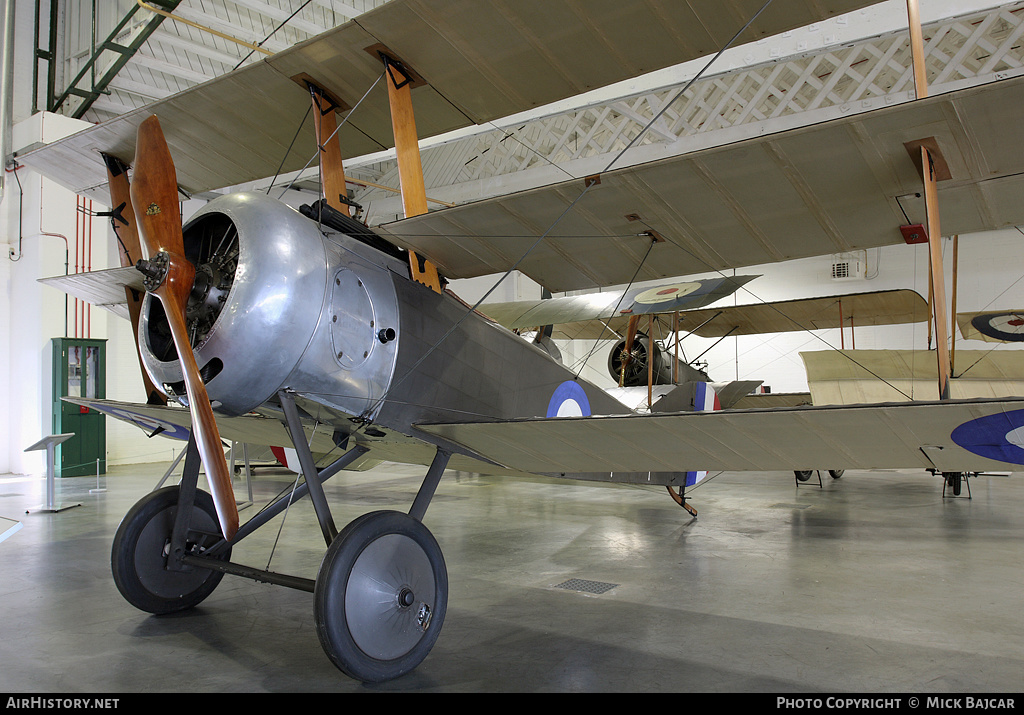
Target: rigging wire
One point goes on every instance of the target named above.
(336, 130)
(272, 33)
(572, 205)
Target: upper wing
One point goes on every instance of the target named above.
(833, 187)
(947, 436)
(477, 59)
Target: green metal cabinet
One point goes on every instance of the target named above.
(79, 370)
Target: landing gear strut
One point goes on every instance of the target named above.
(380, 596)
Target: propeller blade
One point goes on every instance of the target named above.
(122, 218)
(154, 195)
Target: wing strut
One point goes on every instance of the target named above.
(925, 154)
(410, 166)
(332, 170)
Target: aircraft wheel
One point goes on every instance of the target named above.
(836, 473)
(138, 557)
(380, 596)
(804, 475)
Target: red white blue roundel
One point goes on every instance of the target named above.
(662, 294)
(705, 399)
(1001, 326)
(999, 436)
(569, 400)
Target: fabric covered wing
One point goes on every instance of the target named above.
(833, 187)
(477, 59)
(948, 436)
(598, 315)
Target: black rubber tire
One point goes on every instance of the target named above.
(804, 474)
(363, 626)
(138, 554)
(836, 473)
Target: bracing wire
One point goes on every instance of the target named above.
(571, 206)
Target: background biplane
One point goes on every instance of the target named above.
(312, 326)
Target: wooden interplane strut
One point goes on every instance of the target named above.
(332, 170)
(410, 165)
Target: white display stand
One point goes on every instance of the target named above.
(49, 444)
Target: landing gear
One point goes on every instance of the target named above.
(954, 481)
(142, 561)
(381, 596)
(804, 474)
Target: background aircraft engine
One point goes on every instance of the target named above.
(260, 286)
(636, 369)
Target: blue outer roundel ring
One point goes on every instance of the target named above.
(569, 391)
(987, 436)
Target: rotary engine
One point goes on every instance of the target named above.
(277, 303)
(635, 374)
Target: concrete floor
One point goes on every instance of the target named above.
(873, 583)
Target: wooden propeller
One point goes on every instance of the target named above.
(154, 194)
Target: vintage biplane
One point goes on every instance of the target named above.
(274, 325)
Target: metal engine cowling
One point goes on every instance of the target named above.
(261, 281)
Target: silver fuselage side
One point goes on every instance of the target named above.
(340, 323)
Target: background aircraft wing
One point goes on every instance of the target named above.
(596, 315)
(888, 307)
(832, 187)
(992, 326)
(948, 436)
(476, 60)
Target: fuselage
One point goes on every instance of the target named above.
(289, 304)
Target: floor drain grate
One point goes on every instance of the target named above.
(579, 584)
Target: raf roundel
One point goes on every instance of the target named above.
(999, 436)
(569, 400)
(1001, 326)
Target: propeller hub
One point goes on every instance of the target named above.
(154, 270)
